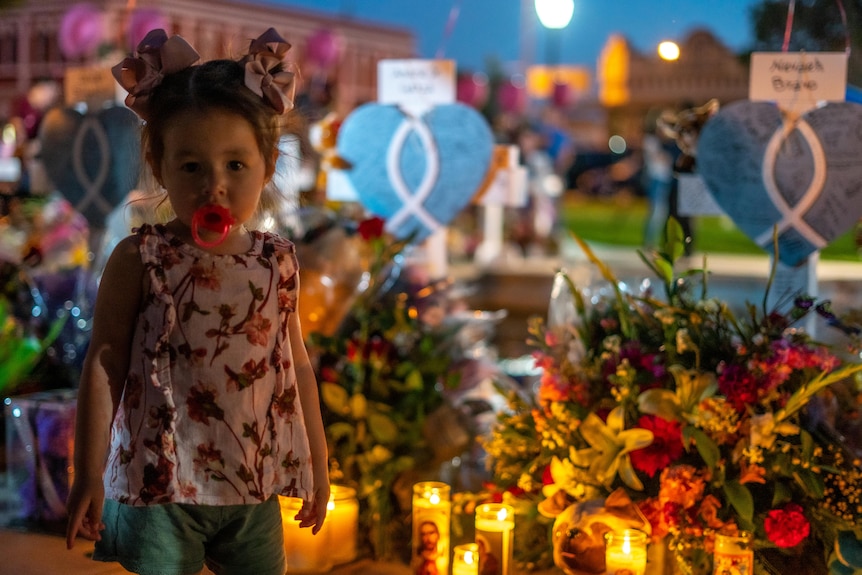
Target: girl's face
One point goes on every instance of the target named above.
(212, 157)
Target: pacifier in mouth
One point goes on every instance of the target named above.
(212, 218)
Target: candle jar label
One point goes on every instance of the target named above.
(733, 554)
(431, 518)
(495, 528)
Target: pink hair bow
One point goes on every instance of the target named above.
(157, 56)
(265, 74)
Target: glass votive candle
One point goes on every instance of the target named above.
(626, 552)
(465, 559)
(342, 520)
(733, 554)
(304, 552)
(432, 511)
(495, 538)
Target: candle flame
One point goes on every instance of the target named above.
(627, 546)
(501, 515)
(330, 505)
(434, 498)
(469, 558)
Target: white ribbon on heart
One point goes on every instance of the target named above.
(412, 204)
(792, 216)
(94, 186)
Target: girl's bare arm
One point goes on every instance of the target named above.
(310, 401)
(102, 379)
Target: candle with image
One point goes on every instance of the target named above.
(465, 559)
(733, 554)
(495, 528)
(432, 511)
(626, 552)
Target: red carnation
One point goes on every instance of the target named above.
(786, 527)
(665, 448)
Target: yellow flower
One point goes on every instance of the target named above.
(691, 388)
(764, 430)
(610, 445)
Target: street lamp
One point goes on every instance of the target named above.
(668, 51)
(554, 16)
(555, 13)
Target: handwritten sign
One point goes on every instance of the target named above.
(94, 85)
(416, 85)
(798, 81)
(802, 178)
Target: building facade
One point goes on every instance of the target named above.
(30, 48)
(633, 85)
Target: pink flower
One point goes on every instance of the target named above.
(257, 329)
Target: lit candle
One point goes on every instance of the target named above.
(342, 520)
(305, 553)
(625, 552)
(465, 560)
(733, 554)
(431, 517)
(495, 528)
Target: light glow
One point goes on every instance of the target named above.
(668, 50)
(555, 14)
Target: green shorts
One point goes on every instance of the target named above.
(178, 539)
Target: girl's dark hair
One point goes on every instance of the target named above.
(214, 84)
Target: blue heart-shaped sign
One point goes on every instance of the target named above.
(92, 159)
(416, 173)
(800, 175)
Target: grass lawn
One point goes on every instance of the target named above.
(619, 221)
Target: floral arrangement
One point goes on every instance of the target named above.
(704, 419)
(381, 374)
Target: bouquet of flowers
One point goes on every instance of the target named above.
(381, 374)
(702, 418)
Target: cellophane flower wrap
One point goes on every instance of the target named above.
(381, 375)
(701, 416)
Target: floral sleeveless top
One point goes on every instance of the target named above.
(210, 412)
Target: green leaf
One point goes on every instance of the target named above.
(782, 494)
(807, 445)
(665, 269)
(335, 398)
(338, 431)
(706, 447)
(675, 244)
(740, 498)
(810, 482)
(382, 428)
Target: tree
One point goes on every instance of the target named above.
(816, 26)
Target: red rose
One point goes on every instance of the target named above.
(371, 229)
(786, 527)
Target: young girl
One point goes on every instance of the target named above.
(197, 404)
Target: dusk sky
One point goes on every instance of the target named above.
(486, 28)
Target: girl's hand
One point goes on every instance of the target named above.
(85, 512)
(312, 514)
